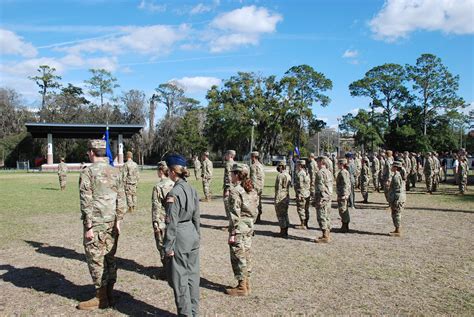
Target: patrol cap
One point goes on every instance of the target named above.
(322, 159)
(397, 164)
(206, 153)
(282, 163)
(342, 161)
(255, 153)
(161, 164)
(96, 144)
(240, 167)
(129, 154)
(301, 162)
(312, 155)
(231, 152)
(176, 159)
(61, 158)
(389, 152)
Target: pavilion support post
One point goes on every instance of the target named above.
(120, 149)
(50, 148)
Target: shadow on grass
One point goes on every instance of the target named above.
(213, 217)
(441, 210)
(220, 288)
(267, 233)
(49, 188)
(368, 233)
(50, 282)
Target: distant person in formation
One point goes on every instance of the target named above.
(227, 184)
(456, 169)
(407, 164)
(382, 166)
(312, 170)
(387, 172)
(206, 175)
(197, 167)
(257, 175)
(322, 198)
(158, 206)
(358, 166)
(375, 169)
(243, 209)
(351, 170)
(420, 162)
(131, 177)
(436, 169)
(62, 173)
(428, 170)
(414, 169)
(463, 171)
(334, 165)
(343, 190)
(444, 168)
(365, 179)
(396, 197)
(182, 238)
(302, 189)
(282, 198)
(103, 204)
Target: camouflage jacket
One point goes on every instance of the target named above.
(463, 169)
(364, 174)
(414, 166)
(102, 195)
(387, 170)
(158, 201)
(227, 172)
(207, 169)
(197, 164)
(323, 187)
(282, 186)
(343, 184)
(257, 175)
(375, 167)
(62, 168)
(312, 170)
(428, 167)
(130, 173)
(243, 209)
(302, 184)
(397, 193)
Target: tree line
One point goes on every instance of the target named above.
(412, 107)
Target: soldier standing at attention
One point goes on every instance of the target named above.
(323, 193)
(436, 175)
(387, 173)
(364, 179)
(229, 162)
(428, 170)
(158, 205)
(62, 173)
(408, 168)
(351, 170)
(414, 169)
(396, 197)
(243, 209)
(182, 239)
(463, 170)
(197, 167)
(312, 170)
(334, 165)
(375, 169)
(257, 175)
(382, 166)
(206, 175)
(302, 189)
(130, 178)
(343, 190)
(282, 198)
(103, 206)
(358, 166)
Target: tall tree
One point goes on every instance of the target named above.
(385, 85)
(134, 103)
(435, 87)
(101, 83)
(171, 95)
(365, 133)
(46, 81)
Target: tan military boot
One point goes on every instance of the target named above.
(396, 232)
(239, 290)
(99, 301)
(324, 238)
(301, 226)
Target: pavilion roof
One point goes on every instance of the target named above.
(81, 130)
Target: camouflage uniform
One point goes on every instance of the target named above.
(257, 175)
(323, 193)
(382, 166)
(436, 176)
(375, 169)
(343, 190)
(302, 187)
(408, 168)
(206, 175)
(227, 183)
(397, 197)
(197, 168)
(62, 173)
(387, 175)
(463, 170)
(282, 197)
(102, 200)
(428, 171)
(312, 170)
(357, 165)
(158, 212)
(351, 170)
(130, 178)
(364, 179)
(414, 170)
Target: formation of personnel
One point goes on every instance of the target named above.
(62, 174)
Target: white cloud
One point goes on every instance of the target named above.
(151, 6)
(398, 18)
(354, 111)
(248, 20)
(200, 8)
(232, 41)
(350, 54)
(107, 63)
(325, 119)
(10, 43)
(199, 83)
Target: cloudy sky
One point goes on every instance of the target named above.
(200, 43)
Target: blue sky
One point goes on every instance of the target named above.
(199, 43)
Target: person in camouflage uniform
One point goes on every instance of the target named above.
(408, 168)
(312, 170)
(158, 205)
(102, 200)
(62, 173)
(334, 165)
(420, 167)
(302, 189)
(227, 183)
(387, 173)
(257, 175)
(343, 190)
(243, 207)
(382, 166)
(365, 179)
(414, 169)
(131, 177)
(358, 166)
(436, 170)
(375, 169)
(282, 198)
(351, 170)
(396, 197)
(428, 170)
(463, 171)
(197, 167)
(322, 198)
(206, 175)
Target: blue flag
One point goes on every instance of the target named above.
(108, 151)
(297, 151)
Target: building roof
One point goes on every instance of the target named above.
(81, 130)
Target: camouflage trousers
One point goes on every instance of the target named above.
(281, 209)
(375, 181)
(429, 182)
(351, 201)
(323, 212)
(364, 190)
(227, 208)
(462, 184)
(100, 254)
(302, 207)
(240, 255)
(343, 210)
(197, 173)
(436, 180)
(259, 205)
(397, 209)
(131, 194)
(206, 187)
(159, 239)
(62, 181)
(420, 176)
(413, 179)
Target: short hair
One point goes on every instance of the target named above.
(99, 152)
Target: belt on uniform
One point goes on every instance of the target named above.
(184, 221)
